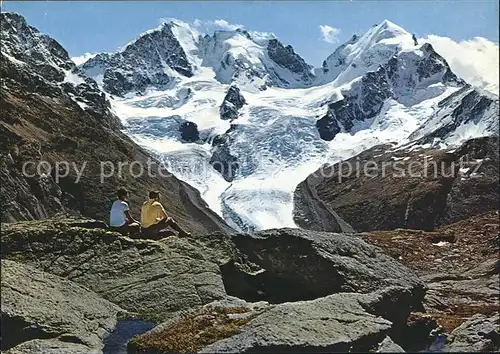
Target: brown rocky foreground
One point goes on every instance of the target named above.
(459, 263)
(275, 290)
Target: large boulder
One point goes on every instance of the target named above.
(478, 334)
(388, 346)
(292, 264)
(143, 276)
(47, 311)
(334, 323)
(340, 322)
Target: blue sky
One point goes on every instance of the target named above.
(83, 27)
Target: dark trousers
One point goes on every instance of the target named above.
(127, 229)
(155, 228)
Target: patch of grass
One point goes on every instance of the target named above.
(451, 320)
(193, 331)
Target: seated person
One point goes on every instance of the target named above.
(120, 218)
(154, 217)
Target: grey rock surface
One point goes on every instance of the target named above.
(51, 346)
(39, 305)
(339, 322)
(294, 264)
(388, 346)
(478, 334)
(143, 276)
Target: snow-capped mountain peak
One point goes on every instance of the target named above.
(362, 54)
(254, 60)
(158, 57)
(185, 34)
(386, 29)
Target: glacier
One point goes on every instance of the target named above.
(274, 137)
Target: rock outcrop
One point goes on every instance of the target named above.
(478, 334)
(189, 132)
(268, 269)
(293, 270)
(233, 102)
(48, 313)
(151, 278)
(340, 322)
(222, 160)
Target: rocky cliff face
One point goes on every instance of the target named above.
(53, 112)
(466, 108)
(39, 61)
(233, 102)
(287, 58)
(154, 59)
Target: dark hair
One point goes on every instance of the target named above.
(122, 192)
(154, 194)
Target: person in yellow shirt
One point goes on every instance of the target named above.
(154, 217)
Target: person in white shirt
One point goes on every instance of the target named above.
(120, 218)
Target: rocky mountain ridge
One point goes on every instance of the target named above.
(174, 49)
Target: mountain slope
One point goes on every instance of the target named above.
(45, 117)
(412, 187)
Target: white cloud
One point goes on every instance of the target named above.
(83, 58)
(475, 61)
(216, 24)
(329, 33)
(225, 25)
